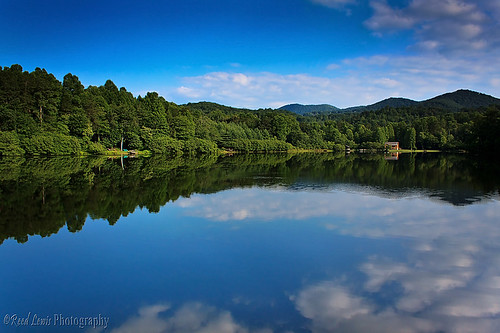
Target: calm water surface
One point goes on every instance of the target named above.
(262, 243)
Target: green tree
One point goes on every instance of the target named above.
(381, 135)
(410, 139)
(72, 90)
(184, 127)
(153, 113)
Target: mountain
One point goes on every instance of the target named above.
(453, 101)
(303, 109)
(208, 107)
(393, 102)
(460, 99)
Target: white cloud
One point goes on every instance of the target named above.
(189, 92)
(449, 26)
(332, 67)
(241, 79)
(387, 82)
(335, 3)
(495, 82)
(387, 18)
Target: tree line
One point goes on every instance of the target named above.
(39, 115)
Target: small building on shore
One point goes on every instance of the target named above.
(391, 145)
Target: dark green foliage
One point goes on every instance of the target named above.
(183, 126)
(10, 144)
(51, 144)
(71, 94)
(95, 148)
(199, 146)
(29, 102)
(152, 113)
(389, 102)
(134, 140)
(461, 99)
(215, 109)
(163, 144)
(305, 109)
(79, 125)
(282, 125)
(485, 132)
(409, 139)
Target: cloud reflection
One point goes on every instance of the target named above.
(336, 309)
(349, 212)
(450, 280)
(327, 304)
(451, 284)
(333, 308)
(191, 317)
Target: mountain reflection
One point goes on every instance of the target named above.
(39, 196)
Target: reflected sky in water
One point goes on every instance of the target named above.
(448, 279)
(270, 259)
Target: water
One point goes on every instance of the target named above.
(250, 243)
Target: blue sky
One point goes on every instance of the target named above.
(258, 53)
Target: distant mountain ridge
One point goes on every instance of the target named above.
(394, 102)
(303, 109)
(453, 101)
(461, 99)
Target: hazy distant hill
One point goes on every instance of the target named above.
(454, 101)
(303, 109)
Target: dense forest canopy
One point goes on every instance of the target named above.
(39, 115)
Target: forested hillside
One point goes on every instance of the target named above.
(40, 115)
(306, 109)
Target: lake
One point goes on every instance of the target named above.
(250, 243)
